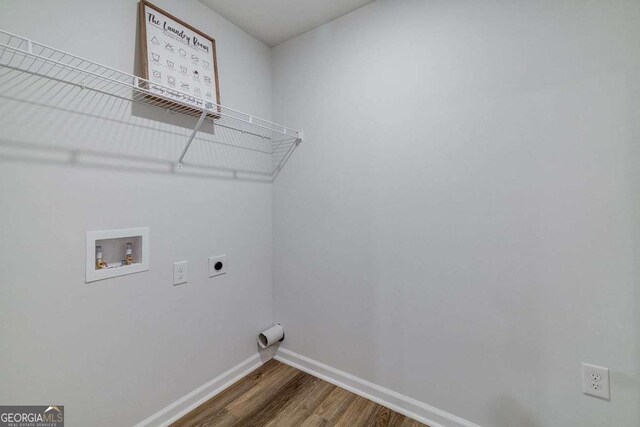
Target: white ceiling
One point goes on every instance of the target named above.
(274, 21)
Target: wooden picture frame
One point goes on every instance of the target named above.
(180, 57)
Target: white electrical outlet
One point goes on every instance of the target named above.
(595, 380)
(180, 272)
(217, 265)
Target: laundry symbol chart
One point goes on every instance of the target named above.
(157, 74)
(156, 57)
(171, 80)
(155, 41)
(169, 47)
(182, 52)
(170, 64)
(205, 64)
(183, 70)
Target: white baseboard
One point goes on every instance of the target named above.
(404, 405)
(197, 397)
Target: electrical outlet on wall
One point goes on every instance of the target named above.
(217, 265)
(595, 380)
(180, 272)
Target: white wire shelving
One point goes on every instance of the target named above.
(40, 75)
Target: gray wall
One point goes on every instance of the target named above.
(461, 223)
(115, 352)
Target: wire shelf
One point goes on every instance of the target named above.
(43, 76)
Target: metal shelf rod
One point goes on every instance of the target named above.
(193, 135)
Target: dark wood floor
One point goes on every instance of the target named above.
(278, 395)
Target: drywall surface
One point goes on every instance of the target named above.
(461, 224)
(116, 351)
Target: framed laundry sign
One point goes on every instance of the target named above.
(178, 60)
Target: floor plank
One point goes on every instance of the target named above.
(214, 407)
(314, 420)
(357, 413)
(262, 415)
(264, 390)
(408, 422)
(332, 408)
(278, 395)
(396, 419)
(303, 403)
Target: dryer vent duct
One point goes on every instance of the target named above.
(271, 336)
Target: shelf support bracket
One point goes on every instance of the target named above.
(193, 135)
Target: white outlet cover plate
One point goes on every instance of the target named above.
(595, 380)
(213, 260)
(180, 273)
